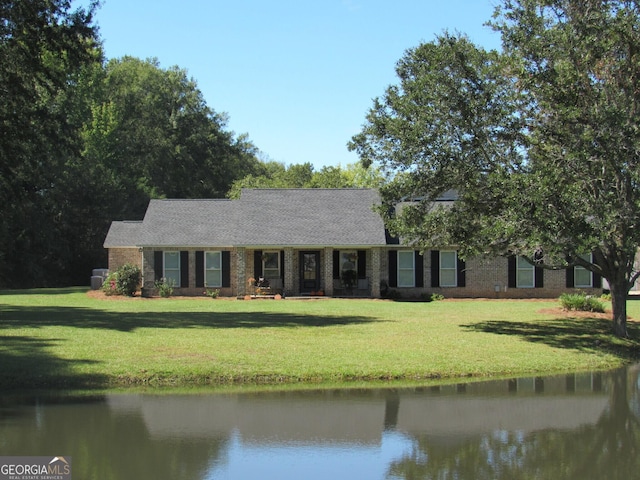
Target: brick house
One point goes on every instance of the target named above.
(310, 242)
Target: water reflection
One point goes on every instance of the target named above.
(574, 426)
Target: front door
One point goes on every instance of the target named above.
(309, 272)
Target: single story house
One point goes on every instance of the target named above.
(312, 242)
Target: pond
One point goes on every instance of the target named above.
(563, 427)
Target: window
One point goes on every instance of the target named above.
(406, 269)
(448, 269)
(348, 260)
(525, 274)
(172, 267)
(583, 277)
(271, 264)
(213, 269)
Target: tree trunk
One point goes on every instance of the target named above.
(619, 291)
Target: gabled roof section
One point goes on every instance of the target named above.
(189, 223)
(311, 217)
(123, 234)
(261, 218)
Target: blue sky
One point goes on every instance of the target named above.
(298, 76)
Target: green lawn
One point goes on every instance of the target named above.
(65, 338)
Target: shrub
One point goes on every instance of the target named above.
(128, 278)
(393, 294)
(165, 287)
(109, 286)
(431, 297)
(212, 292)
(581, 301)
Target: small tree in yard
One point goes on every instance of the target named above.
(541, 141)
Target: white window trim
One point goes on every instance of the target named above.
(413, 269)
(348, 256)
(455, 268)
(212, 269)
(526, 267)
(264, 266)
(577, 268)
(164, 266)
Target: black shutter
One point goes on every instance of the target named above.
(282, 265)
(199, 269)
(393, 268)
(539, 274)
(184, 269)
(336, 264)
(462, 272)
(257, 264)
(419, 272)
(226, 268)
(435, 268)
(362, 264)
(158, 269)
(570, 277)
(511, 283)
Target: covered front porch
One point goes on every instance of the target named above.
(321, 271)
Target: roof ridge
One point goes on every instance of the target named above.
(310, 188)
(191, 199)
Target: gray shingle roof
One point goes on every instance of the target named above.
(265, 217)
(189, 223)
(123, 234)
(310, 217)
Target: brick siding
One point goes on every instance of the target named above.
(121, 256)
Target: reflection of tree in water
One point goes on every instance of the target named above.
(609, 449)
(108, 445)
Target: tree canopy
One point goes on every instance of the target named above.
(540, 141)
(278, 175)
(84, 142)
(44, 46)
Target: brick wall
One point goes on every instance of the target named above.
(122, 256)
(488, 277)
(149, 274)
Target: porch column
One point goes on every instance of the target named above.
(241, 277)
(328, 271)
(148, 273)
(289, 287)
(375, 272)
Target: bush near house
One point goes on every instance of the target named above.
(582, 302)
(164, 286)
(124, 281)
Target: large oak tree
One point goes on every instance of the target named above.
(541, 141)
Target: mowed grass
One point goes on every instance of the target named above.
(67, 338)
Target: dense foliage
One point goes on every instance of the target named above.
(84, 142)
(277, 175)
(43, 48)
(540, 141)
